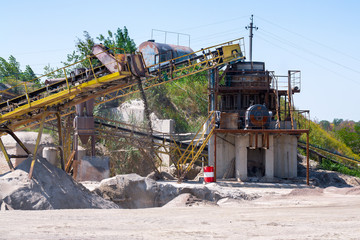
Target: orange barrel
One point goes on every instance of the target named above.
(209, 174)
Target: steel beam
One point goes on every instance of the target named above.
(60, 141)
(7, 157)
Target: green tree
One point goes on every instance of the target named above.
(119, 39)
(325, 125)
(349, 133)
(83, 47)
(337, 121)
(11, 69)
(52, 72)
(29, 73)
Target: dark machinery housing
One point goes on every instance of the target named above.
(250, 92)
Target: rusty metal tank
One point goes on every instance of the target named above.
(154, 52)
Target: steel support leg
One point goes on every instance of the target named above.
(6, 155)
(21, 144)
(37, 144)
(61, 147)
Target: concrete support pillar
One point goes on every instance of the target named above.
(211, 151)
(269, 159)
(50, 154)
(241, 143)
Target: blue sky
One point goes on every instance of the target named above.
(320, 38)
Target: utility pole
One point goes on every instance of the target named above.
(251, 27)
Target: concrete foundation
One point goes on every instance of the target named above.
(254, 160)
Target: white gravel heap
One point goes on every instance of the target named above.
(50, 188)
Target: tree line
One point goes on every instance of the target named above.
(347, 131)
(10, 70)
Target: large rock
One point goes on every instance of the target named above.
(129, 191)
(50, 188)
(134, 191)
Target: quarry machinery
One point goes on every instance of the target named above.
(107, 76)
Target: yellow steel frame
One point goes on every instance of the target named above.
(67, 96)
(6, 155)
(37, 144)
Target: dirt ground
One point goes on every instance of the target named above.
(283, 212)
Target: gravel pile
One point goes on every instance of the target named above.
(50, 188)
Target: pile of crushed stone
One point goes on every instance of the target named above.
(49, 188)
(133, 191)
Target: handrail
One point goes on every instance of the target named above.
(203, 50)
(87, 58)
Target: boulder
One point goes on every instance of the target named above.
(129, 191)
(49, 188)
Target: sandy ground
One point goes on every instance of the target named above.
(331, 213)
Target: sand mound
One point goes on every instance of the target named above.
(186, 200)
(306, 192)
(50, 188)
(353, 191)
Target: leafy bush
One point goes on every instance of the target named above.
(329, 165)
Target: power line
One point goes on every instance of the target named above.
(315, 63)
(211, 24)
(218, 33)
(309, 39)
(37, 52)
(274, 36)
